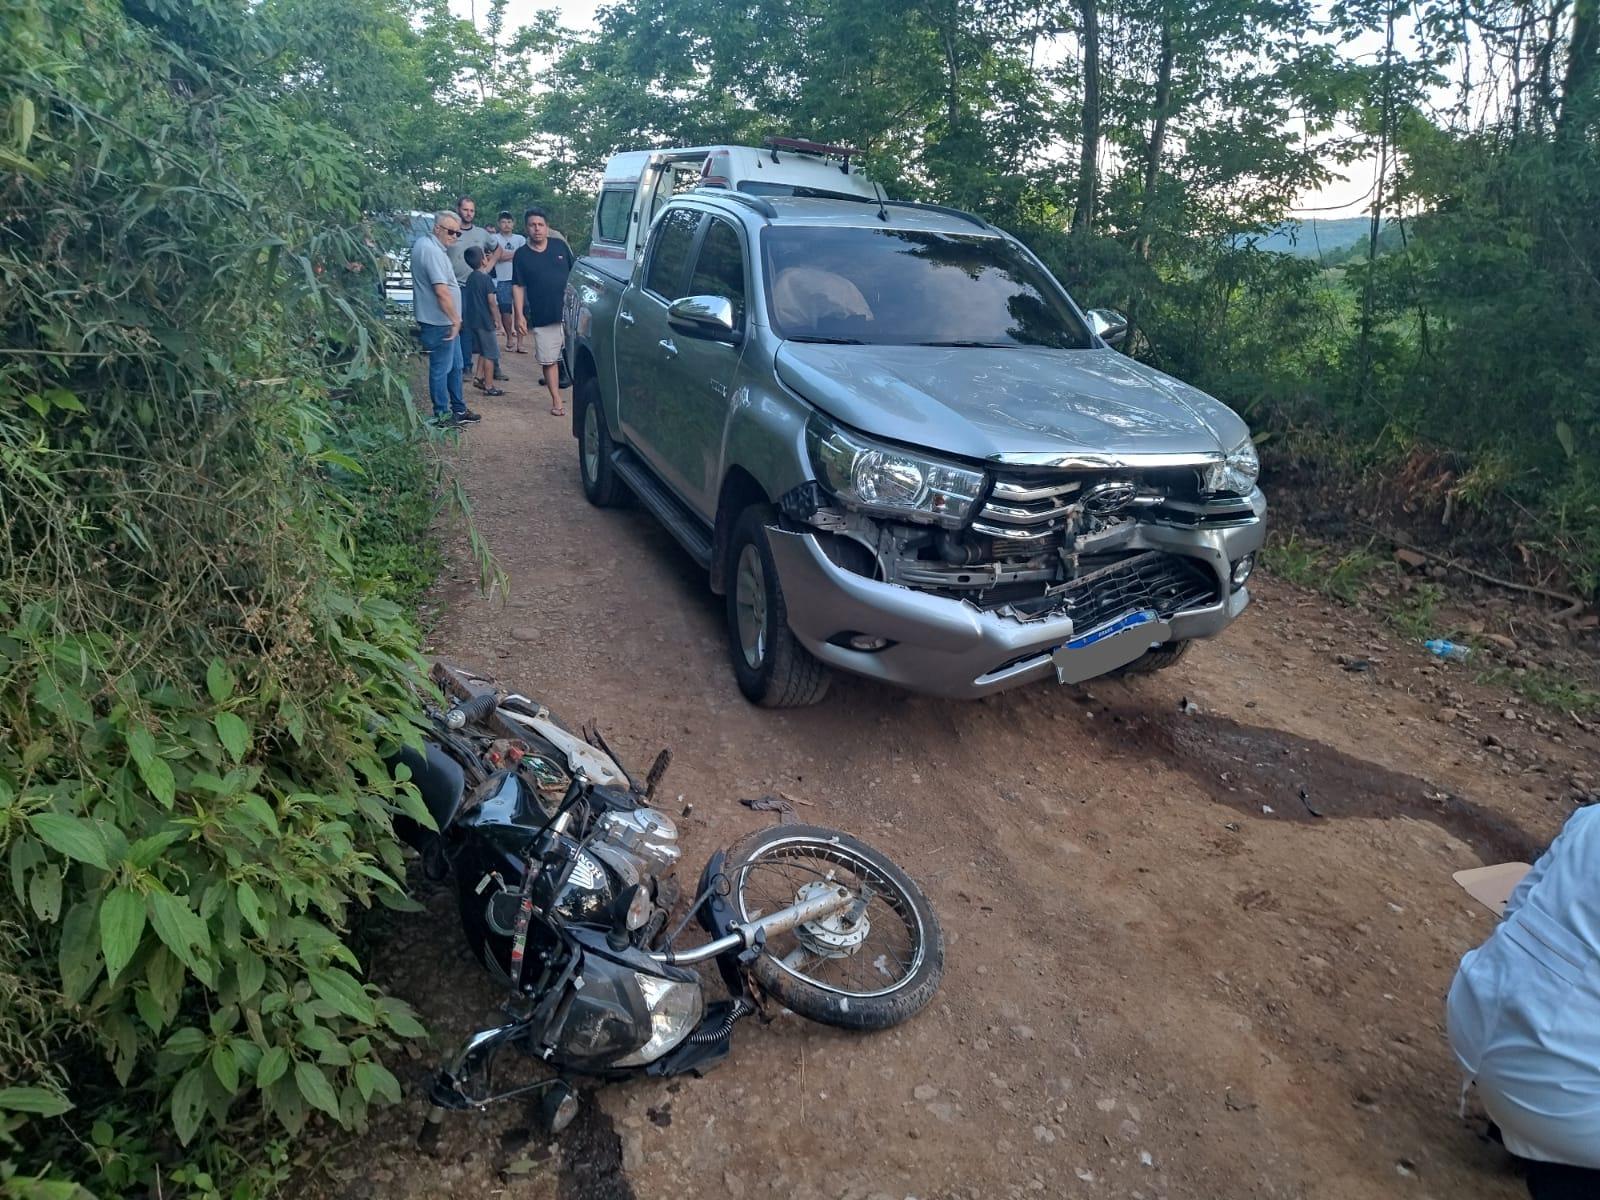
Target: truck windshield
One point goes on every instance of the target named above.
(904, 287)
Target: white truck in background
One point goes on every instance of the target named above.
(637, 184)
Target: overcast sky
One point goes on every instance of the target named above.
(1338, 199)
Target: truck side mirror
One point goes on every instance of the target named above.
(704, 316)
(1110, 326)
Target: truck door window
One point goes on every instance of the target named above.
(669, 253)
(611, 217)
(720, 268)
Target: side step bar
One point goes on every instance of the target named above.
(667, 508)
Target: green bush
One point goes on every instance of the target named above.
(211, 488)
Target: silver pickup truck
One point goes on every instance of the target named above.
(902, 451)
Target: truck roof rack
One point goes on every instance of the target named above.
(756, 202)
(807, 146)
(959, 214)
(763, 207)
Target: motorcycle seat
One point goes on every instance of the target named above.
(441, 782)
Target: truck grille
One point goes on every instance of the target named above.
(1165, 583)
(1022, 512)
(1152, 579)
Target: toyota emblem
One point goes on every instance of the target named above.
(1113, 495)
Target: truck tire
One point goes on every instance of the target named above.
(773, 669)
(1158, 658)
(600, 483)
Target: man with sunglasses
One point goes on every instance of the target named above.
(436, 300)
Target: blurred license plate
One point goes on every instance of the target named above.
(1121, 625)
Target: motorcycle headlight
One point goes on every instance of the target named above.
(1236, 474)
(877, 478)
(675, 1009)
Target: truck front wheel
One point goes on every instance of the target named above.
(600, 482)
(1158, 658)
(773, 669)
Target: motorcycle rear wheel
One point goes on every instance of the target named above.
(894, 965)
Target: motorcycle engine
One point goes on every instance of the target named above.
(646, 837)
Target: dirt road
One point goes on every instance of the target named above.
(1200, 927)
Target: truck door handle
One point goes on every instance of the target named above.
(625, 317)
(666, 344)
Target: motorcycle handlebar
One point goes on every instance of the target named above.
(475, 709)
(745, 936)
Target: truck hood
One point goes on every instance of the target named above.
(985, 403)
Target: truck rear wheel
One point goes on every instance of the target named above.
(600, 482)
(773, 669)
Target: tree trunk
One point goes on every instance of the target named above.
(1158, 135)
(1088, 169)
(1385, 135)
(1582, 57)
(952, 85)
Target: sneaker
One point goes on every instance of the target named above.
(445, 421)
(467, 414)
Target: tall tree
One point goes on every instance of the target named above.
(1089, 145)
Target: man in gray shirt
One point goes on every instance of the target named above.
(471, 235)
(436, 300)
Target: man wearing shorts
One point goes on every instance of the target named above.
(508, 243)
(538, 283)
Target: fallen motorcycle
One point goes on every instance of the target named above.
(564, 876)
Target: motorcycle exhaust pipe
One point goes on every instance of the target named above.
(816, 908)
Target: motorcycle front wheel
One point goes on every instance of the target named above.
(870, 966)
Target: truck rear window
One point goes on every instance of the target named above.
(903, 287)
(611, 216)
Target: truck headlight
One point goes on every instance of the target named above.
(1236, 474)
(675, 1009)
(879, 478)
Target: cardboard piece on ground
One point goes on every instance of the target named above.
(1492, 886)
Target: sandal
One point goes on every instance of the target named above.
(494, 391)
(558, 412)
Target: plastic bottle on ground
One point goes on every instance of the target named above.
(1446, 649)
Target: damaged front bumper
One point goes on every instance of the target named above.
(951, 647)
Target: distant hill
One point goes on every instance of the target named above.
(1317, 237)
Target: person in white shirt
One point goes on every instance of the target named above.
(1524, 1017)
(507, 244)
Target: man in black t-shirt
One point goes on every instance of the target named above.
(538, 283)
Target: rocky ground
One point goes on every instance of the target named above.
(1199, 926)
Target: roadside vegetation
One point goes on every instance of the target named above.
(1418, 609)
(215, 527)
